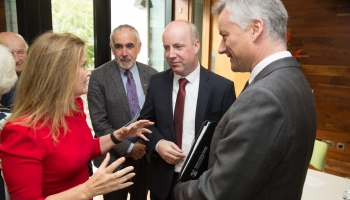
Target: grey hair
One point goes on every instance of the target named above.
(8, 76)
(193, 31)
(131, 28)
(243, 12)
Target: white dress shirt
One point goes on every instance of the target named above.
(262, 64)
(188, 130)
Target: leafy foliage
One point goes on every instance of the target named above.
(75, 16)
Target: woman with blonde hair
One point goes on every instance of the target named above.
(46, 143)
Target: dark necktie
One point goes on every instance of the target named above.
(179, 111)
(132, 98)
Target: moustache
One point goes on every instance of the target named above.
(125, 59)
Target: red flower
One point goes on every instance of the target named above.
(288, 36)
(294, 53)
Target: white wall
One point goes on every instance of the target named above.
(124, 12)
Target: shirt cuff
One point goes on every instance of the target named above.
(130, 148)
(157, 145)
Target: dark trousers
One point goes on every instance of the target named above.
(139, 190)
(171, 193)
(2, 187)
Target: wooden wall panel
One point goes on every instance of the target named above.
(182, 10)
(322, 29)
(2, 16)
(331, 86)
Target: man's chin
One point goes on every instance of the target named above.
(18, 68)
(125, 65)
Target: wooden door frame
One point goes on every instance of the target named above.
(183, 10)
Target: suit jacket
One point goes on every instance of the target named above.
(215, 96)
(108, 103)
(262, 146)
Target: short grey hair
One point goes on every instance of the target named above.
(125, 26)
(8, 76)
(243, 12)
(193, 31)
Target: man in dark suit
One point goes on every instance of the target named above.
(262, 146)
(112, 107)
(207, 97)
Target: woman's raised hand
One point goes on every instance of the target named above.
(135, 130)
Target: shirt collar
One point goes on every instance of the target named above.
(262, 64)
(132, 69)
(191, 77)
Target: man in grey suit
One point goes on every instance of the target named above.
(262, 146)
(112, 107)
(207, 97)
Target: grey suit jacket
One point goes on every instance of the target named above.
(215, 95)
(108, 103)
(262, 146)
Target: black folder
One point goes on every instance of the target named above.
(197, 159)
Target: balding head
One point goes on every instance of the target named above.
(181, 47)
(17, 45)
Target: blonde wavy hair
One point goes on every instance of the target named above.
(46, 90)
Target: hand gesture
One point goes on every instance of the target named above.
(104, 180)
(170, 152)
(135, 130)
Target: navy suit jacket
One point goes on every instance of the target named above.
(215, 95)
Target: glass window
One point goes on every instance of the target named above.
(149, 18)
(198, 8)
(67, 18)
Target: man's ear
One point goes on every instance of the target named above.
(111, 46)
(139, 47)
(257, 28)
(196, 46)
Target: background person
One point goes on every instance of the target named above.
(111, 105)
(18, 48)
(262, 146)
(208, 96)
(8, 78)
(46, 142)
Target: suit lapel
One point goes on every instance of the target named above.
(278, 64)
(116, 78)
(143, 76)
(203, 97)
(168, 100)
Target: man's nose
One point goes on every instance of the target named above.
(15, 57)
(222, 47)
(172, 53)
(124, 51)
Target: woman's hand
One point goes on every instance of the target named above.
(134, 130)
(104, 180)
